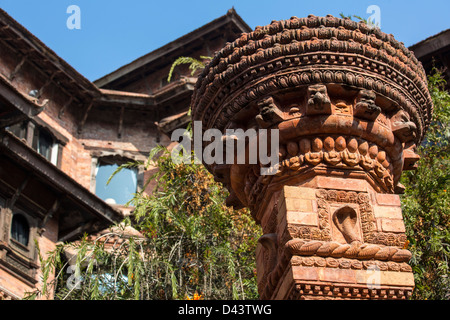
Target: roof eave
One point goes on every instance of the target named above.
(172, 47)
(59, 181)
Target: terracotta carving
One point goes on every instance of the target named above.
(318, 100)
(350, 104)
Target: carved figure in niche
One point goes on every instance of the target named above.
(294, 110)
(402, 127)
(346, 221)
(269, 113)
(350, 155)
(365, 107)
(330, 155)
(318, 100)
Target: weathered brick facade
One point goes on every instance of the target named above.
(117, 117)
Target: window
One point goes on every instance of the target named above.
(45, 144)
(20, 255)
(20, 230)
(39, 138)
(122, 186)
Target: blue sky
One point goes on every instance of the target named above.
(115, 32)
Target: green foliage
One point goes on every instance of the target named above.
(343, 16)
(366, 21)
(194, 64)
(426, 202)
(194, 246)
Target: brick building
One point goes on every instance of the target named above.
(434, 52)
(62, 135)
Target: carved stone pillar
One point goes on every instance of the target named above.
(351, 104)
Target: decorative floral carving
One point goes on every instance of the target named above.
(388, 239)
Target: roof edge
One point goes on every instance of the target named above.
(36, 44)
(230, 16)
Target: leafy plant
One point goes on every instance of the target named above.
(426, 202)
(194, 64)
(366, 21)
(193, 245)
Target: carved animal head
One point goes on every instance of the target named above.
(318, 100)
(366, 108)
(317, 95)
(367, 96)
(402, 127)
(269, 113)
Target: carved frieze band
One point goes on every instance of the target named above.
(336, 152)
(355, 250)
(343, 263)
(223, 114)
(345, 291)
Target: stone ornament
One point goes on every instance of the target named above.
(320, 75)
(356, 55)
(343, 263)
(349, 102)
(355, 250)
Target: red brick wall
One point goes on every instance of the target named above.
(13, 284)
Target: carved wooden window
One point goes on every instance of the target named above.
(20, 229)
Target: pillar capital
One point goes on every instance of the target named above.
(350, 104)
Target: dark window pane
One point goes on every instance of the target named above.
(20, 231)
(45, 144)
(122, 186)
